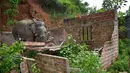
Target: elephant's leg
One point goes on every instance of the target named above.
(22, 37)
(15, 35)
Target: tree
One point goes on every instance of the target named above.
(65, 7)
(92, 10)
(128, 11)
(11, 7)
(109, 4)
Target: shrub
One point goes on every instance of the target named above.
(80, 57)
(10, 56)
(122, 64)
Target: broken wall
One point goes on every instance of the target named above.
(46, 64)
(104, 33)
(102, 25)
(110, 48)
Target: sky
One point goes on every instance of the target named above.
(98, 4)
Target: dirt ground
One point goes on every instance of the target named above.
(29, 9)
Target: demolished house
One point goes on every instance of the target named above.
(99, 31)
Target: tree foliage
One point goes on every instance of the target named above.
(10, 57)
(109, 4)
(11, 10)
(121, 21)
(65, 7)
(68, 6)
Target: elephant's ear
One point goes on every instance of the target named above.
(39, 21)
(32, 28)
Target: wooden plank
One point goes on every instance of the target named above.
(34, 44)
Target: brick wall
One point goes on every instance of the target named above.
(104, 33)
(101, 32)
(97, 17)
(49, 64)
(110, 49)
(102, 27)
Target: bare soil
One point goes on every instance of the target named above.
(29, 9)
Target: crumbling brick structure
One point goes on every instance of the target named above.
(46, 64)
(99, 31)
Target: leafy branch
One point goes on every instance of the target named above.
(12, 9)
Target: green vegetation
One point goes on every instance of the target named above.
(80, 57)
(72, 8)
(122, 64)
(31, 53)
(66, 8)
(35, 69)
(10, 57)
(121, 21)
(12, 6)
(109, 4)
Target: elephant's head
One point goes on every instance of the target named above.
(39, 29)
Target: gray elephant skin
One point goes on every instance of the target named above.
(28, 30)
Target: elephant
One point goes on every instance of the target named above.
(29, 30)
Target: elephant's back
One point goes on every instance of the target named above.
(25, 22)
(22, 24)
